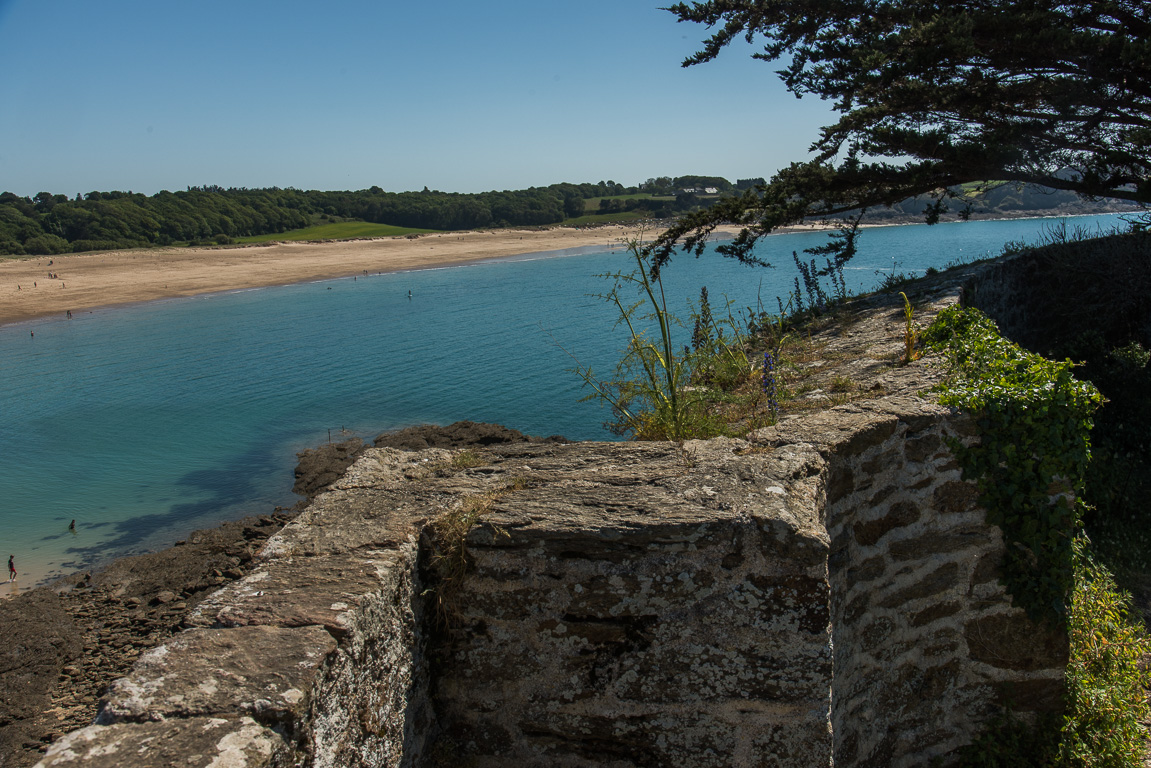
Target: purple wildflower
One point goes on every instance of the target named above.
(769, 385)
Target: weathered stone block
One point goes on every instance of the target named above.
(901, 514)
(1009, 641)
(938, 581)
(201, 742)
(938, 543)
(922, 448)
(264, 672)
(296, 592)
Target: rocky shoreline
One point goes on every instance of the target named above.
(63, 644)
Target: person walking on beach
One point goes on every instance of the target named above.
(11, 569)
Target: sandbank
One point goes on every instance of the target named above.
(51, 286)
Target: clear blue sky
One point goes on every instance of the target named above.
(457, 95)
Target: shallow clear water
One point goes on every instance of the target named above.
(146, 422)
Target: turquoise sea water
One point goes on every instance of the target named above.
(146, 422)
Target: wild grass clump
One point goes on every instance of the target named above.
(450, 561)
(1058, 233)
(839, 249)
(467, 459)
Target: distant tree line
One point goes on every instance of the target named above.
(49, 224)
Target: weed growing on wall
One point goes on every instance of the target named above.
(911, 334)
(1033, 418)
(839, 249)
(770, 386)
(446, 537)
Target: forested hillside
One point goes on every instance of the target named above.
(50, 224)
(47, 223)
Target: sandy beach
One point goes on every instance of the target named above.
(43, 286)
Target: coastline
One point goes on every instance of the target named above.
(245, 268)
(38, 287)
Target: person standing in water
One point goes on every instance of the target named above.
(11, 569)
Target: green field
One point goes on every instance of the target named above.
(342, 230)
(591, 204)
(606, 218)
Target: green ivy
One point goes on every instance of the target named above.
(1033, 417)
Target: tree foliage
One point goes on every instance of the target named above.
(49, 224)
(931, 96)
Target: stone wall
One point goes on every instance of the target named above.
(1048, 296)
(926, 641)
(824, 591)
(828, 589)
(645, 605)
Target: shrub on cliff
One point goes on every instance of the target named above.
(659, 389)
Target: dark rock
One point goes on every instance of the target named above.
(922, 448)
(1009, 641)
(461, 434)
(323, 465)
(938, 543)
(988, 568)
(868, 570)
(939, 580)
(870, 436)
(955, 496)
(935, 612)
(839, 483)
(38, 639)
(900, 515)
(1042, 695)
